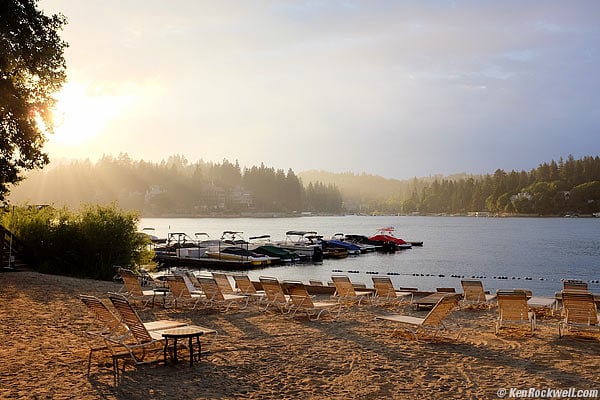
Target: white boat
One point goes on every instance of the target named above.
(304, 243)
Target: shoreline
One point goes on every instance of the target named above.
(264, 356)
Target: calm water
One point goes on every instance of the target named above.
(543, 249)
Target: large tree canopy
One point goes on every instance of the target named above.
(32, 69)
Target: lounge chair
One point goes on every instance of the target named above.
(275, 296)
(474, 295)
(217, 299)
(247, 288)
(385, 293)
(303, 303)
(579, 313)
(434, 320)
(345, 292)
(182, 296)
(108, 325)
(575, 284)
(513, 309)
(223, 282)
(133, 290)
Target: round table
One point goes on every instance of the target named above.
(185, 332)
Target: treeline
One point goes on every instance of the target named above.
(564, 187)
(176, 187)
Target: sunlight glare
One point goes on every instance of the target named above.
(83, 112)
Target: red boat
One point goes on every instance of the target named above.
(386, 235)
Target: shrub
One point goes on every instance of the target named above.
(85, 243)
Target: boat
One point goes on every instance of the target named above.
(262, 245)
(363, 242)
(236, 253)
(303, 243)
(149, 232)
(232, 246)
(351, 248)
(386, 237)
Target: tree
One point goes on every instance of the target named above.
(32, 69)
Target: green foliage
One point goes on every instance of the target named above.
(84, 243)
(32, 69)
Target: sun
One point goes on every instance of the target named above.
(82, 112)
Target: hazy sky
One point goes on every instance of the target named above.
(393, 88)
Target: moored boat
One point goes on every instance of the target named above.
(304, 243)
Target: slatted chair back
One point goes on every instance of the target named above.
(244, 284)
(104, 316)
(273, 289)
(441, 310)
(343, 286)
(512, 305)
(131, 282)
(211, 289)
(473, 291)
(131, 318)
(193, 279)
(223, 283)
(384, 287)
(298, 294)
(178, 287)
(580, 308)
(571, 284)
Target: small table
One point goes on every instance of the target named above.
(185, 332)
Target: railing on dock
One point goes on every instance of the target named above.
(11, 249)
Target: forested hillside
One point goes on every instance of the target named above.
(554, 188)
(178, 187)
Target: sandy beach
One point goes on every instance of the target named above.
(262, 356)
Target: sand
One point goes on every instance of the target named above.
(262, 356)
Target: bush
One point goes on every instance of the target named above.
(83, 243)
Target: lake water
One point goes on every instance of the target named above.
(534, 253)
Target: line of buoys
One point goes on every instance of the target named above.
(500, 277)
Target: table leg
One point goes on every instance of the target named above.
(191, 344)
(165, 349)
(175, 349)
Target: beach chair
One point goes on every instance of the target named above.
(247, 288)
(182, 296)
(275, 296)
(217, 299)
(575, 285)
(386, 294)
(133, 289)
(474, 295)
(433, 321)
(345, 292)
(513, 309)
(579, 313)
(141, 345)
(108, 325)
(223, 282)
(301, 302)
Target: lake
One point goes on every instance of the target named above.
(533, 253)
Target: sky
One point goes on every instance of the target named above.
(399, 89)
